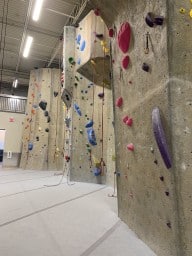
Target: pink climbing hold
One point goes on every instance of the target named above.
(119, 102)
(111, 32)
(125, 62)
(130, 147)
(124, 37)
(129, 122)
(125, 119)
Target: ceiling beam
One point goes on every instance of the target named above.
(14, 23)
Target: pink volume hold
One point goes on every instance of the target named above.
(129, 122)
(130, 147)
(119, 102)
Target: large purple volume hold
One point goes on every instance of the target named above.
(160, 137)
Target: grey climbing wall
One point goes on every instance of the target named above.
(43, 128)
(84, 157)
(153, 201)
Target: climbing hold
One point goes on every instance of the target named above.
(169, 224)
(111, 32)
(101, 95)
(130, 147)
(161, 178)
(48, 119)
(99, 36)
(33, 111)
(55, 94)
(124, 37)
(160, 137)
(37, 138)
(47, 129)
(82, 46)
(67, 121)
(89, 124)
(78, 38)
(150, 19)
(77, 109)
(156, 162)
(190, 13)
(35, 106)
(159, 20)
(46, 113)
(119, 102)
(152, 150)
(67, 158)
(145, 67)
(182, 10)
(125, 62)
(81, 131)
(125, 119)
(71, 61)
(67, 98)
(97, 171)
(30, 146)
(166, 193)
(91, 137)
(129, 122)
(79, 61)
(97, 12)
(43, 104)
(11, 119)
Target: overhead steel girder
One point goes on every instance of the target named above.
(17, 24)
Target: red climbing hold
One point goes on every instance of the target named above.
(124, 37)
(125, 62)
(129, 122)
(97, 12)
(119, 102)
(111, 32)
(130, 147)
(125, 119)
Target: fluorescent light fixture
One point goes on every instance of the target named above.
(15, 83)
(37, 9)
(27, 46)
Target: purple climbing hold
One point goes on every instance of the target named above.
(145, 67)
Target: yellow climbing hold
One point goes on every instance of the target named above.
(190, 13)
(182, 10)
(103, 43)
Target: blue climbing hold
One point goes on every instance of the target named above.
(82, 46)
(79, 61)
(97, 171)
(91, 137)
(89, 124)
(77, 109)
(78, 39)
(30, 146)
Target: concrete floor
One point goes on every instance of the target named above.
(64, 220)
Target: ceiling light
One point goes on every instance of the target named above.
(15, 83)
(37, 9)
(27, 46)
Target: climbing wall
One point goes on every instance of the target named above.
(153, 72)
(43, 133)
(91, 157)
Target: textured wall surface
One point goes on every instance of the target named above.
(85, 157)
(158, 211)
(46, 136)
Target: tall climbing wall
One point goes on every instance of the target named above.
(92, 131)
(43, 128)
(152, 74)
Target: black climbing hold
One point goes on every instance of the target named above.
(47, 129)
(166, 193)
(145, 67)
(71, 61)
(46, 113)
(48, 119)
(43, 104)
(55, 94)
(161, 178)
(101, 95)
(169, 224)
(155, 162)
(37, 138)
(159, 20)
(99, 36)
(150, 19)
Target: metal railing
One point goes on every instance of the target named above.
(14, 104)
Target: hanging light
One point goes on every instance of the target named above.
(37, 9)
(15, 83)
(27, 46)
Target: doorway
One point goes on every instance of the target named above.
(2, 143)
